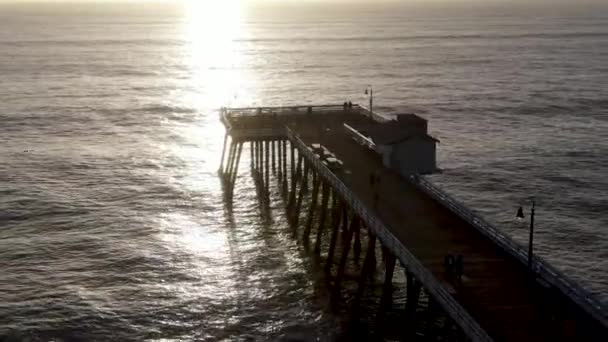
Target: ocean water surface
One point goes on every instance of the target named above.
(113, 223)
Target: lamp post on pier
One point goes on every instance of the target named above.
(370, 92)
(520, 216)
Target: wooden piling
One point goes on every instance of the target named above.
(367, 269)
(284, 152)
(221, 169)
(261, 162)
(266, 165)
(335, 226)
(313, 206)
(231, 156)
(355, 221)
(251, 158)
(274, 166)
(321, 227)
(412, 293)
(279, 158)
(292, 164)
(294, 183)
(258, 158)
(387, 288)
(303, 189)
(432, 310)
(357, 243)
(236, 167)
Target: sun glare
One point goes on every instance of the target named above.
(212, 29)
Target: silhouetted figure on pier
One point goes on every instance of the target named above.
(448, 263)
(350, 105)
(345, 105)
(458, 268)
(454, 267)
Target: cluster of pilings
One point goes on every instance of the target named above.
(229, 170)
(336, 236)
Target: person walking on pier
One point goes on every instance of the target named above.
(458, 268)
(454, 267)
(448, 263)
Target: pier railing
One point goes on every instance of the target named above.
(376, 116)
(359, 138)
(540, 267)
(302, 110)
(468, 325)
(286, 110)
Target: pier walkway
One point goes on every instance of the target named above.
(499, 298)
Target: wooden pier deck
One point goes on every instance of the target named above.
(498, 292)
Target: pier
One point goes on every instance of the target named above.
(322, 165)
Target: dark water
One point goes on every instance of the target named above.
(113, 224)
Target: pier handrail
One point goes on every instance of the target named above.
(299, 109)
(376, 116)
(468, 325)
(574, 291)
(287, 110)
(359, 138)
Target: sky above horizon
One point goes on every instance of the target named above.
(548, 2)
(538, 6)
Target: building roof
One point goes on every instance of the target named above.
(406, 127)
(394, 135)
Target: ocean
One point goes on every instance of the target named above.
(113, 222)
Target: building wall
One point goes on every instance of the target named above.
(414, 156)
(386, 152)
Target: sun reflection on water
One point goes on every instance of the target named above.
(215, 77)
(184, 234)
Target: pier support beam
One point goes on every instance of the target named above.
(354, 224)
(235, 167)
(292, 164)
(432, 312)
(230, 161)
(284, 187)
(266, 167)
(251, 158)
(303, 189)
(335, 225)
(413, 293)
(312, 208)
(357, 244)
(221, 169)
(258, 158)
(294, 182)
(274, 165)
(367, 270)
(387, 288)
(321, 227)
(280, 159)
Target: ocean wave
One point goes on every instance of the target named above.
(166, 109)
(179, 42)
(86, 42)
(370, 38)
